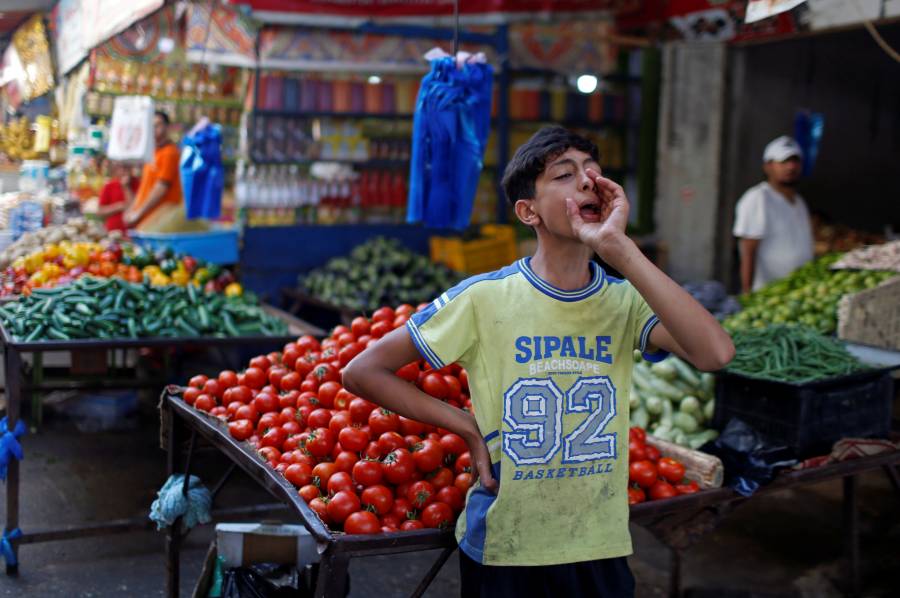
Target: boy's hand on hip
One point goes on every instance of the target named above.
(481, 457)
(606, 235)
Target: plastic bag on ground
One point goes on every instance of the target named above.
(749, 461)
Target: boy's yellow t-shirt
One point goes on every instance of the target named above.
(549, 377)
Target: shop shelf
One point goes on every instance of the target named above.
(328, 114)
(206, 102)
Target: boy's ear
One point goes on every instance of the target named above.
(525, 212)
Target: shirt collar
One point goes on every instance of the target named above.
(596, 283)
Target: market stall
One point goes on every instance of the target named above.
(317, 212)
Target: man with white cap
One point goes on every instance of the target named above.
(771, 222)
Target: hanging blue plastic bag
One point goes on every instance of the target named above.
(808, 129)
(450, 130)
(202, 173)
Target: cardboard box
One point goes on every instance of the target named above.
(242, 544)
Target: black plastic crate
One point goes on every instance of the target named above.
(809, 418)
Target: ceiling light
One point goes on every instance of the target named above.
(586, 83)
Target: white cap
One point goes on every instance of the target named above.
(781, 149)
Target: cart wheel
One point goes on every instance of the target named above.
(12, 570)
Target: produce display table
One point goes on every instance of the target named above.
(678, 522)
(17, 391)
(336, 548)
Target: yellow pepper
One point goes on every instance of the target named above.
(51, 252)
(33, 262)
(180, 277)
(234, 290)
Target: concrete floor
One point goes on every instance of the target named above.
(788, 544)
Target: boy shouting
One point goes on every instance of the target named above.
(547, 343)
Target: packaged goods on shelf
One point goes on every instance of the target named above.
(348, 94)
(276, 195)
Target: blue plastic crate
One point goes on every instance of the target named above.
(215, 246)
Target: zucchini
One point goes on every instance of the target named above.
(709, 409)
(685, 372)
(691, 405)
(664, 370)
(640, 417)
(654, 405)
(664, 389)
(685, 422)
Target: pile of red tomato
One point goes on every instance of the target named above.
(361, 468)
(652, 476)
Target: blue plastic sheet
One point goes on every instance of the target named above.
(202, 173)
(450, 131)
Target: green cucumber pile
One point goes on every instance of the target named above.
(673, 401)
(108, 308)
(794, 354)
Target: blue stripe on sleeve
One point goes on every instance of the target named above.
(426, 352)
(657, 355)
(423, 316)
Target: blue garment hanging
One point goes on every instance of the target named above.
(450, 130)
(202, 173)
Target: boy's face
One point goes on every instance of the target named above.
(563, 176)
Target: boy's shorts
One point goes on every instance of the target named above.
(606, 578)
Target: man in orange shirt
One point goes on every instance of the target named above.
(160, 189)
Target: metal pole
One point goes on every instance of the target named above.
(674, 573)
(455, 27)
(432, 573)
(851, 531)
(173, 533)
(332, 578)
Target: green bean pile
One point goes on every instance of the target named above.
(790, 353)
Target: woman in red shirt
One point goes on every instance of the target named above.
(116, 196)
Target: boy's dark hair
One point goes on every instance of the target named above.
(164, 117)
(529, 161)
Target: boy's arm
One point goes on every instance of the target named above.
(685, 327)
(371, 376)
